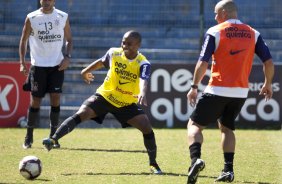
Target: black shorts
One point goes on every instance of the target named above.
(212, 108)
(102, 107)
(42, 80)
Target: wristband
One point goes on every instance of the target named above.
(194, 86)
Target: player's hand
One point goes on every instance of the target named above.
(23, 69)
(64, 64)
(192, 97)
(88, 77)
(266, 90)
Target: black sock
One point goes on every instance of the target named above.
(228, 162)
(54, 119)
(150, 144)
(32, 116)
(66, 127)
(195, 152)
(29, 133)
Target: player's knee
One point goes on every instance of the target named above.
(225, 129)
(86, 113)
(145, 127)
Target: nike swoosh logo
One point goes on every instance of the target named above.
(235, 51)
(121, 83)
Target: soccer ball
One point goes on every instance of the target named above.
(22, 122)
(30, 167)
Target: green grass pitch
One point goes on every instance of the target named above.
(106, 156)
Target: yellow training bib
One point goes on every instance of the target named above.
(121, 85)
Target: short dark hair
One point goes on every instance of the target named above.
(135, 35)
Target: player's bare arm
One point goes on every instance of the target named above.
(69, 44)
(142, 99)
(23, 45)
(86, 74)
(199, 73)
(266, 90)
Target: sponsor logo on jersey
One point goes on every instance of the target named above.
(116, 101)
(120, 69)
(235, 32)
(123, 91)
(234, 52)
(121, 83)
(46, 35)
(57, 22)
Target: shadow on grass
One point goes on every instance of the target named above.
(104, 150)
(40, 179)
(120, 174)
(98, 150)
(211, 177)
(133, 174)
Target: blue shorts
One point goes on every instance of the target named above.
(102, 107)
(212, 108)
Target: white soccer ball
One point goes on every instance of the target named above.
(22, 122)
(30, 167)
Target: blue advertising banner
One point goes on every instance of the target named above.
(168, 106)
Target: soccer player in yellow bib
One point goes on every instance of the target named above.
(124, 86)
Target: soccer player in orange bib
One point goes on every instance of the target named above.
(231, 44)
(124, 86)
